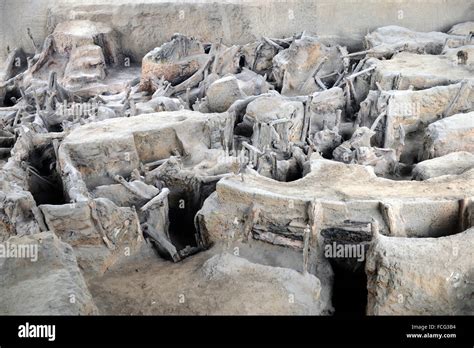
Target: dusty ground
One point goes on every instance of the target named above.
(149, 285)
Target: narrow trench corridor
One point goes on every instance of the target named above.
(349, 296)
(44, 181)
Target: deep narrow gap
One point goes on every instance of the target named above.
(44, 181)
(182, 228)
(56, 128)
(181, 217)
(349, 296)
(347, 246)
(182, 211)
(242, 61)
(207, 48)
(7, 101)
(295, 173)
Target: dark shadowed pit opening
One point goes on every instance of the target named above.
(7, 101)
(242, 61)
(43, 179)
(182, 230)
(56, 128)
(183, 207)
(294, 174)
(351, 239)
(349, 296)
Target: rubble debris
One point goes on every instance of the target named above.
(358, 150)
(196, 138)
(271, 110)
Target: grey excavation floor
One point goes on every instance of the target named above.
(285, 175)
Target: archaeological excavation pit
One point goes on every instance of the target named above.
(241, 169)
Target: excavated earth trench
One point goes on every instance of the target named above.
(282, 176)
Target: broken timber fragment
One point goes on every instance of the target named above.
(156, 200)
